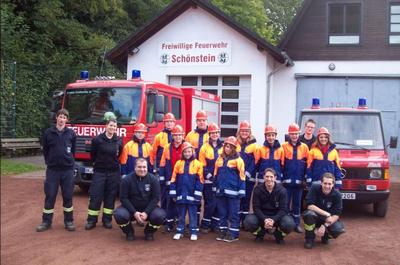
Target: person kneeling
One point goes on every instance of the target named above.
(270, 210)
(324, 205)
(139, 195)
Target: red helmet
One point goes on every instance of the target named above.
(140, 127)
(186, 145)
(244, 125)
(212, 127)
(169, 117)
(231, 140)
(323, 130)
(201, 115)
(294, 128)
(177, 130)
(270, 129)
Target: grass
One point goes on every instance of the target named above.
(9, 167)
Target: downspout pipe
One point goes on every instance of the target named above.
(288, 62)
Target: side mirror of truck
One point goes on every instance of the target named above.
(393, 142)
(159, 107)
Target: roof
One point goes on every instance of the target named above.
(295, 23)
(119, 54)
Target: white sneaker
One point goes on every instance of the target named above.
(177, 236)
(193, 237)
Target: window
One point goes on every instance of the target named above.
(226, 132)
(230, 106)
(176, 108)
(189, 80)
(230, 81)
(211, 91)
(344, 23)
(150, 108)
(229, 119)
(209, 81)
(394, 20)
(230, 93)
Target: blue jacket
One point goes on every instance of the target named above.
(294, 165)
(59, 148)
(270, 157)
(208, 155)
(230, 177)
(248, 154)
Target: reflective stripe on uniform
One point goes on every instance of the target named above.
(234, 229)
(123, 225)
(298, 181)
(48, 210)
(172, 192)
(286, 181)
(309, 227)
(207, 181)
(338, 182)
(231, 192)
(316, 182)
(93, 212)
(308, 180)
(68, 210)
(198, 193)
(257, 231)
(108, 211)
(168, 183)
(162, 178)
(154, 226)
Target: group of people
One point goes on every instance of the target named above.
(161, 183)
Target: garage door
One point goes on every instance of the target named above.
(234, 92)
(381, 93)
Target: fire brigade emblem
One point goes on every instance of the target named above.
(164, 58)
(328, 205)
(223, 57)
(147, 187)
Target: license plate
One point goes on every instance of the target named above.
(88, 170)
(348, 196)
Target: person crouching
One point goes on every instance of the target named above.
(186, 189)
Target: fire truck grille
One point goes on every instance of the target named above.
(357, 173)
(81, 144)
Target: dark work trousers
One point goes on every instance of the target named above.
(104, 188)
(228, 210)
(245, 201)
(164, 196)
(294, 202)
(210, 216)
(191, 209)
(172, 212)
(55, 178)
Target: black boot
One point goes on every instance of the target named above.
(43, 227)
(309, 244)
(149, 231)
(325, 239)
(279, 237)
(129, 232)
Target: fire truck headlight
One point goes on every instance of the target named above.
(375, 174)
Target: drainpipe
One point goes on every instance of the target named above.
(288, 62)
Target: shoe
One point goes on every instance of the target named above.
(193, 237)
(259, 239)
(149, 237)
(205, 230)
(325, 240)
(221, 236)
(107, 225)
(229, 238)
(309, 244)
(69, 226)
(168, 229)
(43, 227)
(177, 236)
(90, 225)
(130, 236)
(298, 229)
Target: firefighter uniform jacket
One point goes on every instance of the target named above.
(187, 181)
(269, 205)
(295, 163)
(132, 150)
(207, 156)
(270, 157)
(248, 152)
(104, 153)
(59, 148)
(230, 177)
(319, 163)
(332, 202)
(197, 138)
(167, 162)
(160, 141)
(139, 193)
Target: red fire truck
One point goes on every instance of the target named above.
(132, 101)
(358, 135)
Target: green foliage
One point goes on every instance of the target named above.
(280, 14)
(9, 167)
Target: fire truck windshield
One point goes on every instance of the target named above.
(88, 105)
(350, 130)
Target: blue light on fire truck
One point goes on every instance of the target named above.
(84, 75)
(135, 74)
(362, 103)
(315, 103)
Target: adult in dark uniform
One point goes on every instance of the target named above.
(324, 205)
(58, 151)
(105, 151)
(139, 195)
(308, 136)
(270, 210)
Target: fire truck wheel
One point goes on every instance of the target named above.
(380, 208)
(84, 188)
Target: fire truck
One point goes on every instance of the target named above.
(358, 135)
(132, 101)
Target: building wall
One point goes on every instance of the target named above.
(198, 25)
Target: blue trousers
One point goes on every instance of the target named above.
(191, 209)
(228, 210)
(245, 201)
(104, 188)
(164, 196)
(55, 178)
(294, 202)
(210, 215)
(171, 211)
